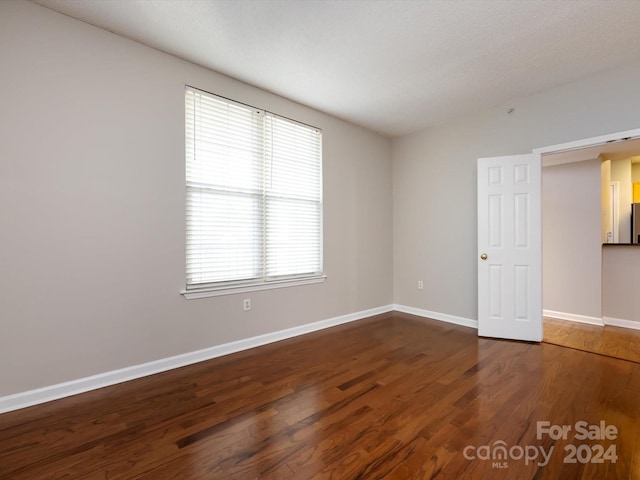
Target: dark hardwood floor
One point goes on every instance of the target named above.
(615, 342)
(393, 396)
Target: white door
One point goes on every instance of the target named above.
(510, 247)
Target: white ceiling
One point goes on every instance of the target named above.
(390, 65)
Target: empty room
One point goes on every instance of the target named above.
(319, 239)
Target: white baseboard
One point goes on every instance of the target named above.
(619, 322)
(573, 317)
(81, 385)
(443, 317)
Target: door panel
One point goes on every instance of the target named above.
(509, 234)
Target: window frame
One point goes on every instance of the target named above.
(263, 282)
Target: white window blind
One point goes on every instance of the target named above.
(254, 194)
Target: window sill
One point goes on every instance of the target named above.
(232, 289)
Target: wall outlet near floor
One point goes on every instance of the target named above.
(420, 285)
(246, 304)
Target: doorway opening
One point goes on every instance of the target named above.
(510, 244)
(588, 267)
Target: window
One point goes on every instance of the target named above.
(254, 196)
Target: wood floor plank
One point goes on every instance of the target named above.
(609, 341)
(394, 396)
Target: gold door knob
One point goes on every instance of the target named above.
(484, 256)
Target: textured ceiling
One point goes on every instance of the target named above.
(392, 66)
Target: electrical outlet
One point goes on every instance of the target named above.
(246, 304)
(420, 285)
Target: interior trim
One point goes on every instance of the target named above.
(443, 317)
(54, 392)
(620, 322)
(573, 317)
(251, 287)
(589, 142)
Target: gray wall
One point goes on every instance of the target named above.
(92, 195)
(572, 250)
(91, 183)
(434, 179)
(620, 281)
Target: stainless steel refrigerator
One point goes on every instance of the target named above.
(635, 223)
